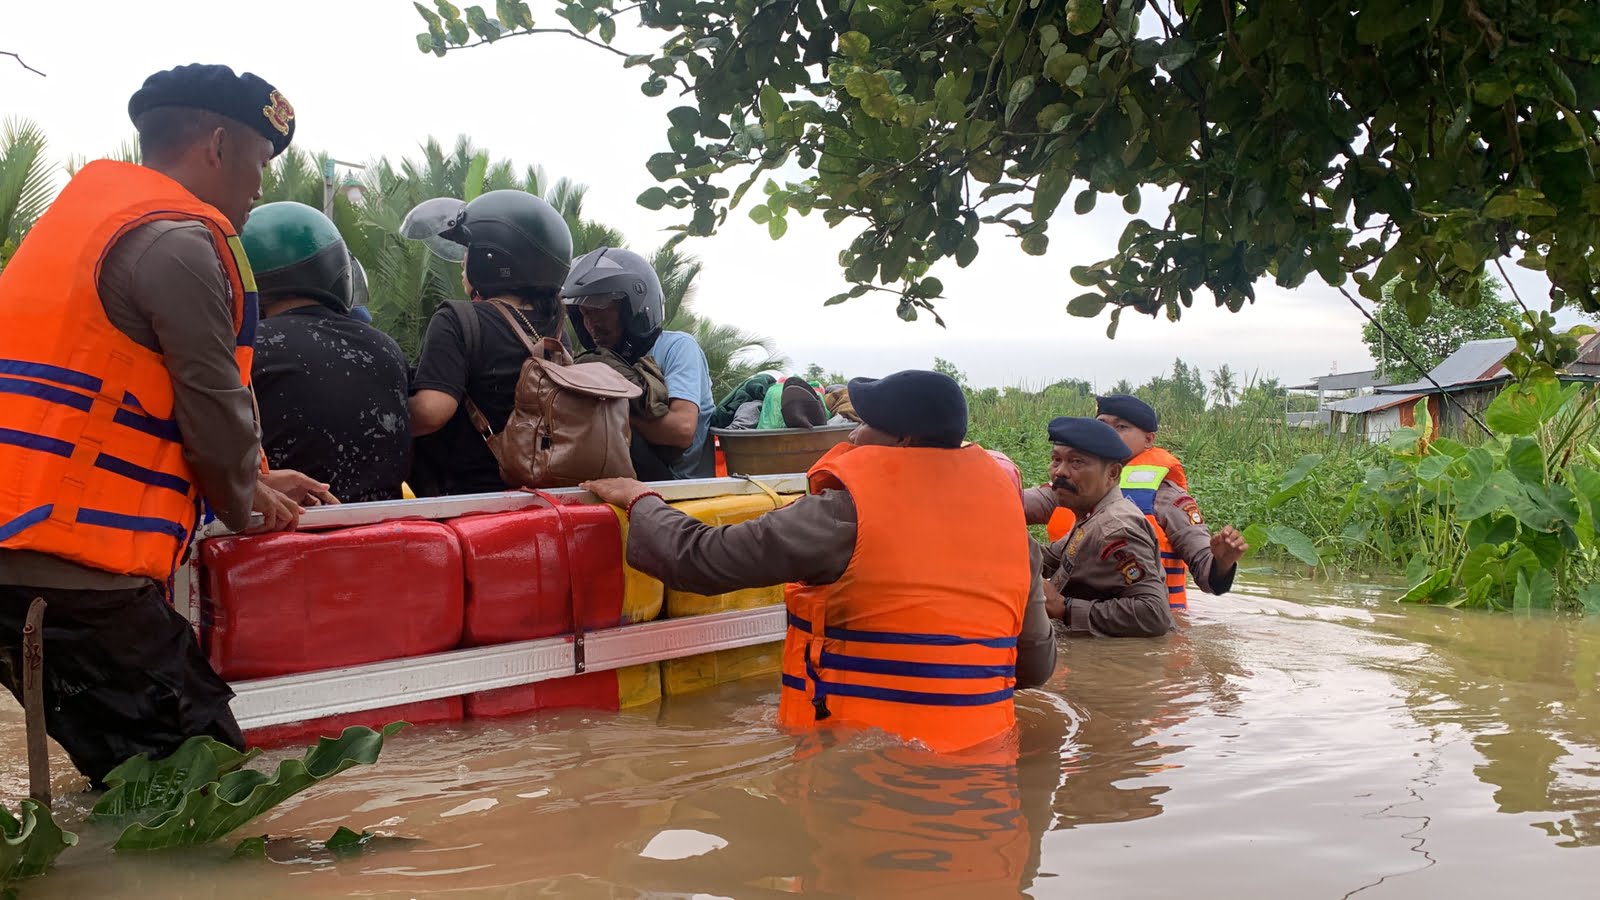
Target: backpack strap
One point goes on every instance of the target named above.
(471, 331)
(472, 337)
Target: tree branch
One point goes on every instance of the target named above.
(21, 63)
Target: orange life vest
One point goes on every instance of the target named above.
(92, 456)
(1141, 477)
(918, 637)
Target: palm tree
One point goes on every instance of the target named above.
(1224, 386)
(26, 186)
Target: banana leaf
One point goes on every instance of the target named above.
(212, 810)
(29, 842)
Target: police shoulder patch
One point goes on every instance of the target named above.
(1191, 509)
(1129, 566)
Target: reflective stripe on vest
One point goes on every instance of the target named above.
(921, 557)
(1139, 484)
(88, 438)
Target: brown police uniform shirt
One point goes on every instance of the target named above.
(809, 541)
(1180, 518)
(163, 285)
(1109, 569)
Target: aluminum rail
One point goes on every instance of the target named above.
(310, 695)
(349, 514)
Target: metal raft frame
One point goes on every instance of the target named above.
(262, 702)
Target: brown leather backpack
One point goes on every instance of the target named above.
(569, 423)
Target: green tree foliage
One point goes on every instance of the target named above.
(1435, 337)
(1350, 138)
(25, 182)
(1183, 393)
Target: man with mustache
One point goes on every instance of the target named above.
(1105, 577)
(1154, 480)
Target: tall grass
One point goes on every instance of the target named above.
(1235, 459)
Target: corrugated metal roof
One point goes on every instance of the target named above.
(1371, 403)
(1346, 381)
(1472, 362)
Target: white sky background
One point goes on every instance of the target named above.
(360, 89)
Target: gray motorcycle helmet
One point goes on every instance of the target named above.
(612, 274)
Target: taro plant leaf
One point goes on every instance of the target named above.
(1522, 408)
(211, 811)
(1293, 540)
(1522, 596)
(1483, 561)
(146, 789)
(1525, 460)
(1429, 589)
(29, 841)
(1541, 587)
(1537, 508)
(1418, 569)
(1477, 595)
(1491, 531)
(1494, 496)
(1256, 537)
(1301, 469)
(1433, 467)
(1587, 481)
(1589, 596)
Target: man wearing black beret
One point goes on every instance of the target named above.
(127, 323)
(1105, 577)
(914, 593)
(1155, 481)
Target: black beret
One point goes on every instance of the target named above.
(916, 403)
(1129, 409)
(1091, 436)
(247, 99)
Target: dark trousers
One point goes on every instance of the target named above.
(123, 675)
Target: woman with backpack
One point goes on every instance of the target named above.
(517, 252)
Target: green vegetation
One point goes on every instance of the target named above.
(1505, 522)
(197, 795)
(29, 842)
(1413, 348)
(1354, 139)
(202, 792)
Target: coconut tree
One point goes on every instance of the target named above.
(26, 186)
(1224, 385)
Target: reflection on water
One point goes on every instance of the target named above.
(1334, 745)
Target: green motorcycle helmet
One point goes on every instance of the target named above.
(296, 251)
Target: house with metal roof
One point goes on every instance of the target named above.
(1456, 390)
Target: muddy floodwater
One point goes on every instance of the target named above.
(1330, 745)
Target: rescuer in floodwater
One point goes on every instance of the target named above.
(1155, 481)
(914, 595)
(332, 389)
(1105, 577)
(614, 300)
(517, 251)
(127, 319)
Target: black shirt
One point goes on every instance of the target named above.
(458, 460)
(333, 402)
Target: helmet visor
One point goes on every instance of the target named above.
(438, 224)
(596, 301)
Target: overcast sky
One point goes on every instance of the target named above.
(361, 89)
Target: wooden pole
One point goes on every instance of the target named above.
(33, 702)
